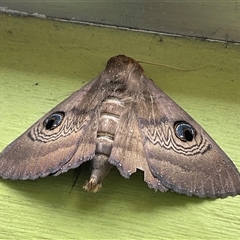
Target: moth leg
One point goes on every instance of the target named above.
(100, 169)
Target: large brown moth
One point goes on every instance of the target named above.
(121, 118)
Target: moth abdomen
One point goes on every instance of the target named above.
(100, 169)
(110, 112)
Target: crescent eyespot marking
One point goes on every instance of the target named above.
(163, 135)
(68, 126)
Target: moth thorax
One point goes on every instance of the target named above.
(110, 112)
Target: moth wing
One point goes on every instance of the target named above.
(39, 152)
(128, 152)
(198, 167)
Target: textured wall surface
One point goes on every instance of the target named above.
(206, 19)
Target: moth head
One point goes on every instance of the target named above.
(123, 64)
(53, 120)
(184, 131)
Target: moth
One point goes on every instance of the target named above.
(122, 119)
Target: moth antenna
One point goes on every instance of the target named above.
(66, 94)
(169, 66)
(76, 176)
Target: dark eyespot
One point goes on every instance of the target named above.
(54, 120)
(185, 131)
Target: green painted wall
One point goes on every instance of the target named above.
(42, 62)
